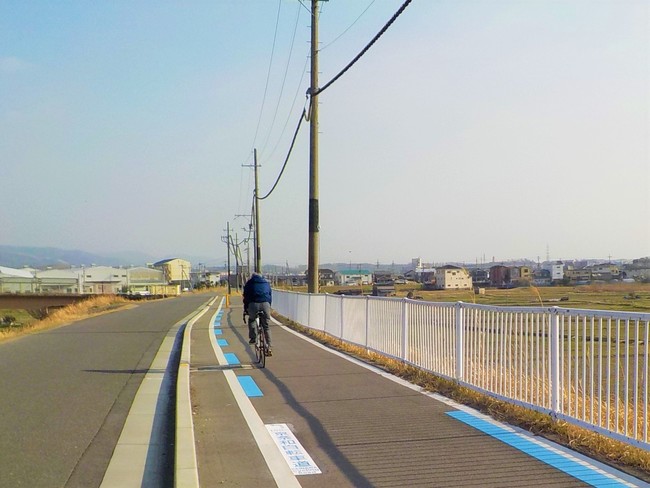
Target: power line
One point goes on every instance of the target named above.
(268, 74)
(349, 27)
(284, 79)
(293, 103)
(365, 49)
(286, 160)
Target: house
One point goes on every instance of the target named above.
(176, 271)
(556, 269)
(605, 271)
(354, 277)
(452, 278)
(326, 277)
(383, 277)
(521, 275)
(500, 276)
(480, 276)
(541, 277)
(581, 275)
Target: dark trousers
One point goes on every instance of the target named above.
(253, 309)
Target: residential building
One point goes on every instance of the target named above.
(500, 276)
(450, 277)
(521, 275)
(556, 268)
(605, 271)
(541, 277)
(354, 277)
(480, 276)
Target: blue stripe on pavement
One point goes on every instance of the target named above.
(218, 332)
(231, 358)
(588, 474)
(250, 387)
(222, 342)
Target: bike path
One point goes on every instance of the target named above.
(313, 411)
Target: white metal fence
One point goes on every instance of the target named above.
(587, 367)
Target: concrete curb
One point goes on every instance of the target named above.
(186, 472)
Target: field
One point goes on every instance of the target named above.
(625, 297)
(24, 323)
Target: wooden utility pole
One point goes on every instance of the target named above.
(258, 245)
(313, 248)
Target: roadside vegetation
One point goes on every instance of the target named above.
(632, 460)
(16, 323)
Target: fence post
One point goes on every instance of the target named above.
(342, 315)
(308, 310)
(405, 328)
(554, 358)
(367, 319)
(460, 341)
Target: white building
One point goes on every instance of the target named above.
(16, 280)
(452, 278)
(354, 277)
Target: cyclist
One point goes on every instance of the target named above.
(257, 298)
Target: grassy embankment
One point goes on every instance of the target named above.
(27, 324)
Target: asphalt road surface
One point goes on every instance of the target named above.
(65, 393)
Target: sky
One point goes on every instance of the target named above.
(471, 131)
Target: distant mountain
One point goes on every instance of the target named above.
(40, 257)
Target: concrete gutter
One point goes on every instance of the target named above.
(186, 472)
(137, 460)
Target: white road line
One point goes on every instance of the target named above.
(276, 463)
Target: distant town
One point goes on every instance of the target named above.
(175, 275)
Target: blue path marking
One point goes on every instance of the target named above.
(231, 358)
(222, 342)
(250, 387)
(218, 332)
(571, 467)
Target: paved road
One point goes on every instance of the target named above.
(65, 393)
(360, 428)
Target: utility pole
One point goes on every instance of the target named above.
(313, 247)
(226, 239)
(258, 245)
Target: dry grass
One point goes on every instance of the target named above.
(633, 460)
(87, 308)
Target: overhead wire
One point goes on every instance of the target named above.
(306, 115)
(364, 50)
(303, 116)
(268, 75)
(284, 79)
(348, 28)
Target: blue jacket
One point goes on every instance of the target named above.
(257, 290)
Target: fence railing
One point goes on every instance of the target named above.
(587, 367)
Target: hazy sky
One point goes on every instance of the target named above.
(471, 129)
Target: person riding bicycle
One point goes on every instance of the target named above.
(257, 298)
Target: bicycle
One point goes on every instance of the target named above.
(261, 341)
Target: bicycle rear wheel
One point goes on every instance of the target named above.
(260, 345)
